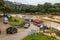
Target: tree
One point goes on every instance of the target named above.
(13, 7)
(3, 7)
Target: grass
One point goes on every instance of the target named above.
(21, 26)
(18, 21)
(52, 30)
(39, 36)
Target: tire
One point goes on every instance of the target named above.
(14, 30)
(9, 30)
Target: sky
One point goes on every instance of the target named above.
(35, 2)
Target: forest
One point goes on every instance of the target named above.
(13, 7)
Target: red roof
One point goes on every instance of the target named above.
(38, 21)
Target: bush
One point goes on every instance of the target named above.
(52, 30)
(21, 26)
(57, 32)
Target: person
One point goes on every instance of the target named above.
(41, 26)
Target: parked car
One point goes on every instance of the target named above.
(28, 19)
(11, 30)
(7, 15)
(5, 20)
(37, 22)
(43, 27)
(26, 25)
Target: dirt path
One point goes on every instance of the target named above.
(3, 27)
(21, 34)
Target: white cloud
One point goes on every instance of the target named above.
(35, 2)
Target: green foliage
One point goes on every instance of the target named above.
(11, 7)
(18, 21)
(57, 32)
(52, 30)
(3, 7)
(39, 36)
(21, 26)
